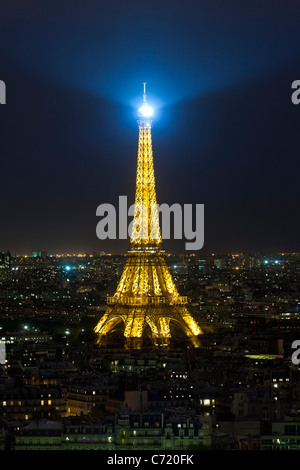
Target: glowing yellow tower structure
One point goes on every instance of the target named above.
(146, 302)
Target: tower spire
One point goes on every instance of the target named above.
(145, 227)
(145, 111)
(146, 301)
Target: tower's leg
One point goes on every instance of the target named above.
(134, 327)
(195, 341)
(100, 323)
(192, 330)
(154, 331)
(165, 333)
(106, 325)
(191, 323)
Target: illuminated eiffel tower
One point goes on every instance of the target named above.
(146, 302)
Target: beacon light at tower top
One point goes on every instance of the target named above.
(145, 110)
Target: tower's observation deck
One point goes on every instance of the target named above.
(146, 301)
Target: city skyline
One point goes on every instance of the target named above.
(149, 241)
(60, 390)
(225, 132)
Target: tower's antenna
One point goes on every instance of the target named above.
(144, 95)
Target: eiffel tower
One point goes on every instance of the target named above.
(146, 302)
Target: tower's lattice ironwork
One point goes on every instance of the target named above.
(146, 301)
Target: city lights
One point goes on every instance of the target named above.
(121, 331)
(213, 300)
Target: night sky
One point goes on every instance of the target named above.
(225, 132)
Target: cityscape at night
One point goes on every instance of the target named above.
(149, 242)
(239, 390)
